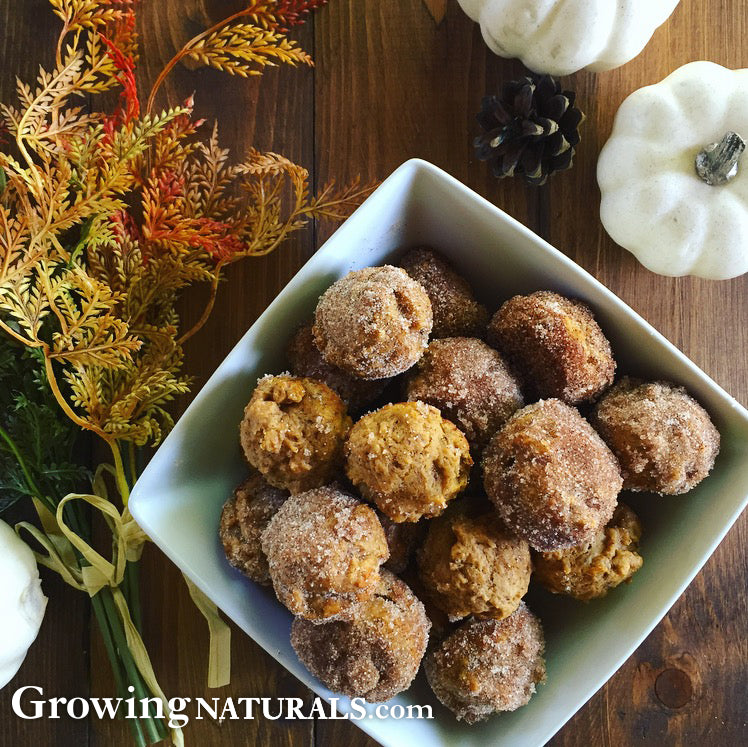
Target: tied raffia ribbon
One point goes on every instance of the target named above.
(127, 540)
(219, 659)
(219, 651)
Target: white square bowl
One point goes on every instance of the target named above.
(178, 499)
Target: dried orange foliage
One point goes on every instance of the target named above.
(106, 217)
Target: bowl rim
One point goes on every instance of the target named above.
(408, 172)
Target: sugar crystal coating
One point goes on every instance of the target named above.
(487, 666)
(556, 344)
(470, 384)
(373, 323)
(408, 460)
(551, 477)
(324, 550)
(293, 431)
(456, 312)
(402, 540)
(591, 570)
(244, 518)
(664, 439)
(306, 360)
(375, 655)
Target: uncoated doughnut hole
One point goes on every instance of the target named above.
(408, 460)
(293, 431)
(471, 565)
(244, 518)
(591, 570)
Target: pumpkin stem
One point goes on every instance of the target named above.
(718, 162)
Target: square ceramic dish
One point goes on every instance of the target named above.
(178, 499)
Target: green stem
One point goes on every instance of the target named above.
(115, 660)
(116, 664)
(133, 462)
(133, 584)
(133, 674)
(30, 483)
(125, 586)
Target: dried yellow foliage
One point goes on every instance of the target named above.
(105, 217)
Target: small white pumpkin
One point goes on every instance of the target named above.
(22, 602)
(654, 203)
(562, 36)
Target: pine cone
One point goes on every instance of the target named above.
(530, 129)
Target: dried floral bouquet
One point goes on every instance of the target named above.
(105, 219)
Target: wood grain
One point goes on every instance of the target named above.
(437, 8)
(391, 84)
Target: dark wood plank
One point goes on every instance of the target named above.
(59, 659)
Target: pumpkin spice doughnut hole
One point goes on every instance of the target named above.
(469, 382)
(471, 565)
(556, 344)
(324, 551)
(591, 570)
(376, 655)
(407, 460)
(456, 312)
(551, 477)
(487, 666)
(664, 440)
(293, 432)
(373, 323)
(244, 518)
(306, 360)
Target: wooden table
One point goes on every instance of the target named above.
(390, 84)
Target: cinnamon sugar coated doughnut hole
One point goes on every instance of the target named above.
(556, 344)
(293, 431)
(408, 460)
(244, 518)
(324, 550)
(306, 360)
(470, 384)
(402, 540)
(374, 656)
(552, 478)
(471, 565)
(487, 666)
(441, 625)
(593, 569)
(373, 323)
(456, 312)
(664, 439)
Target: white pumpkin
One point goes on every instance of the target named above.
(22, 603)
(562, 36)
(654, 203)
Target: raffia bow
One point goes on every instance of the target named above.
(93, 572)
